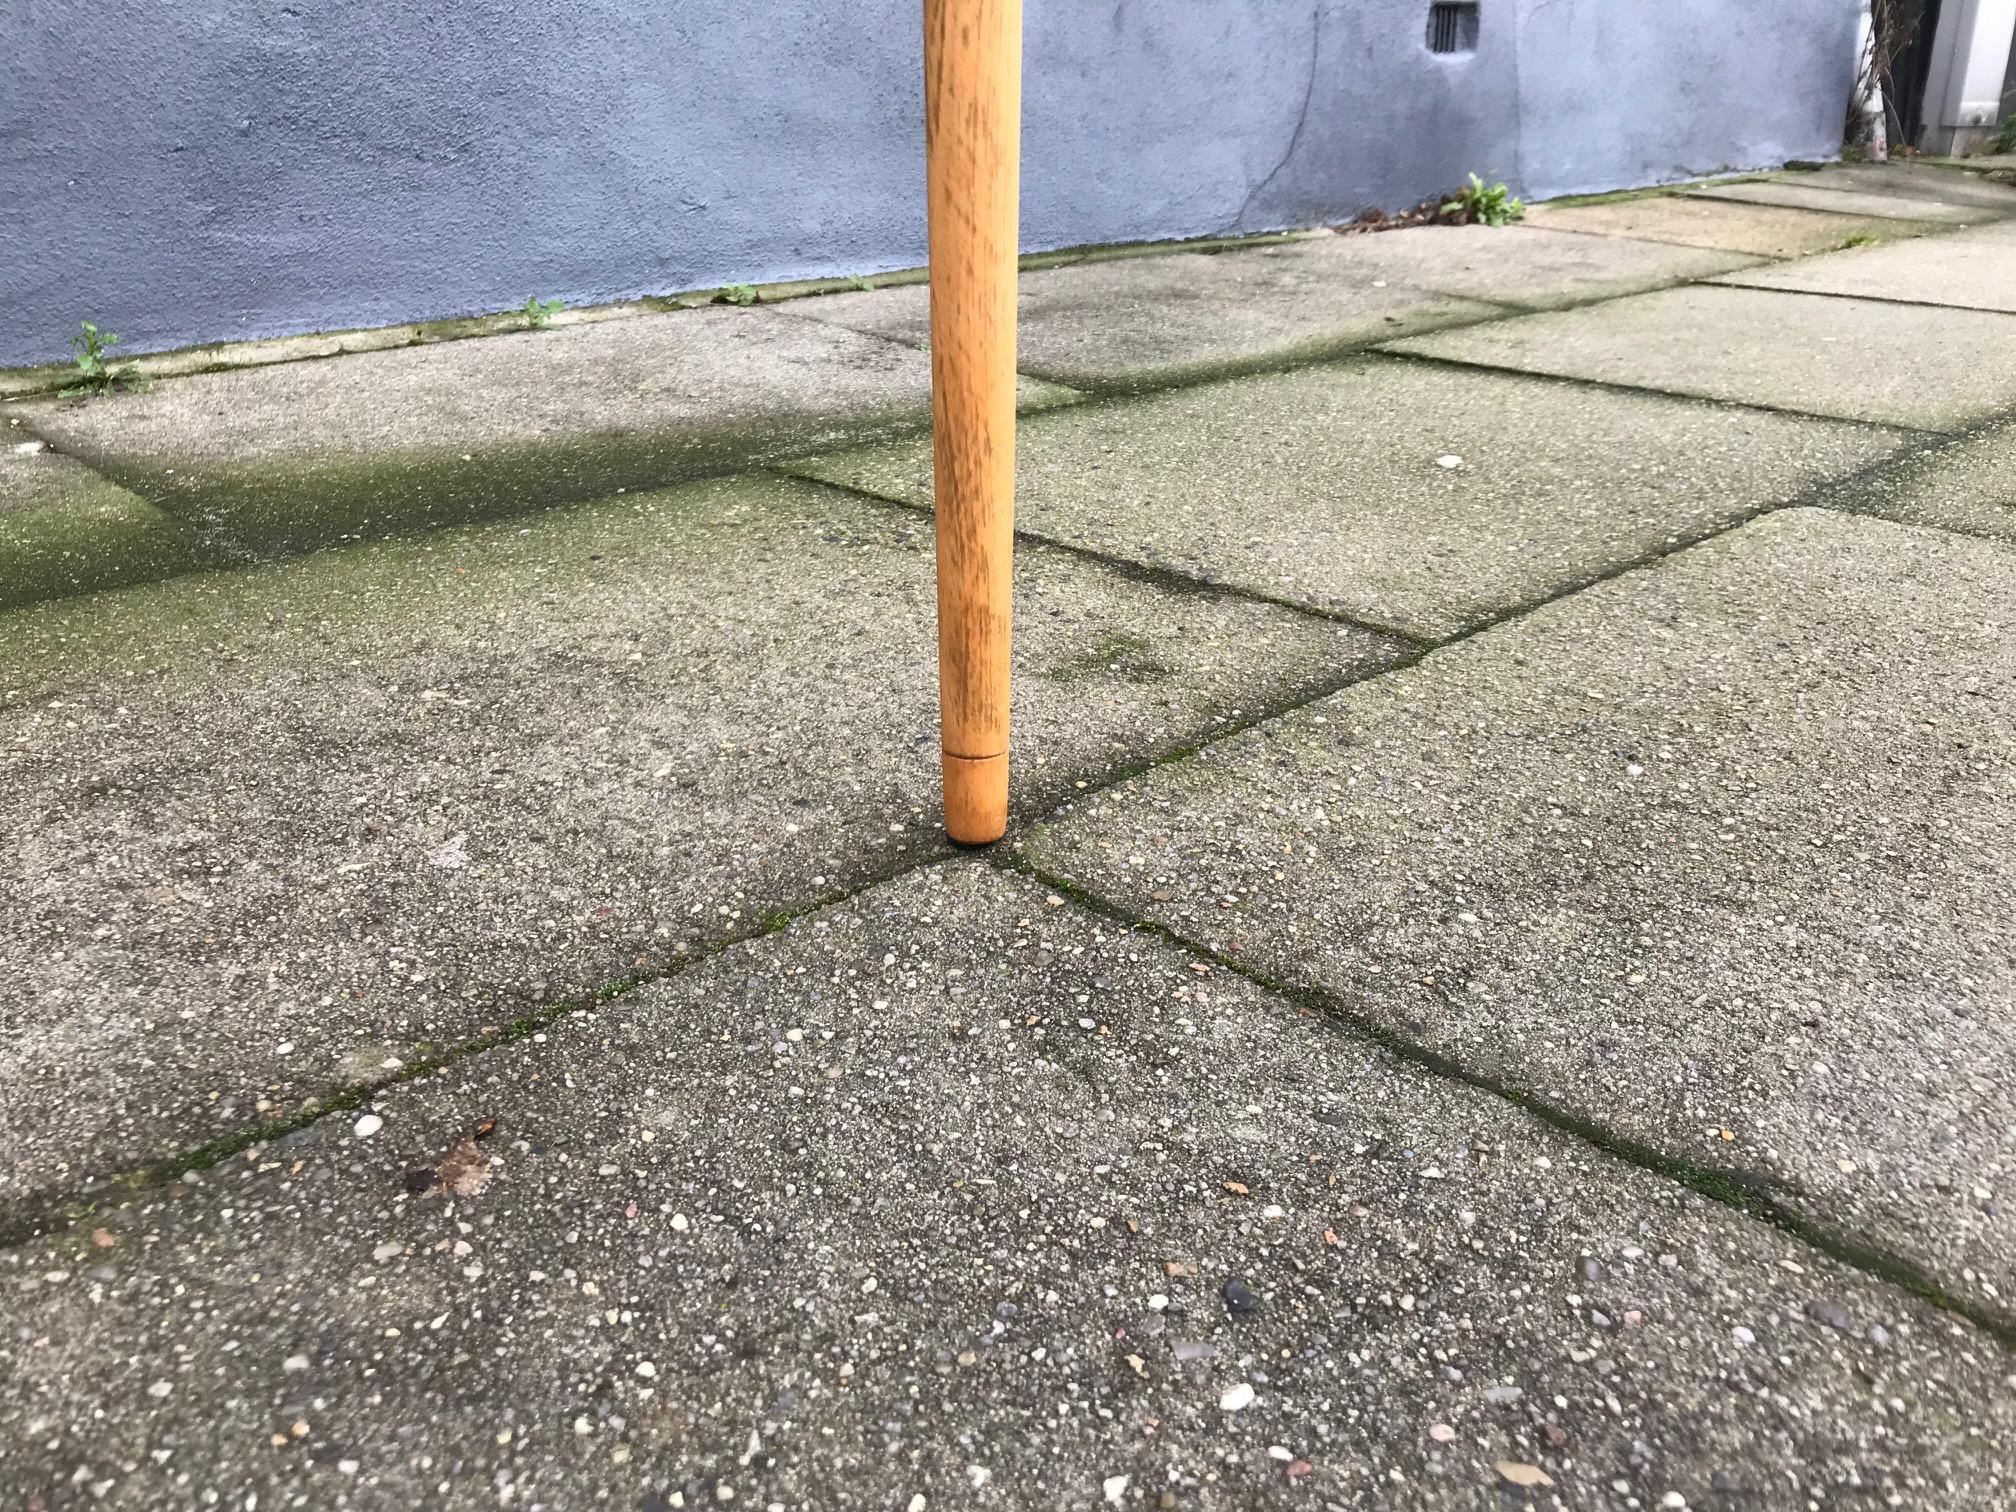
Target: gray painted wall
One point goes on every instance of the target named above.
(198, 170)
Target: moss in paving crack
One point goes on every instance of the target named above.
(1093, 252)
(1650, 191)
(1153, 574)
(908, 859)
(665, 304)
(1747, 1192)
(1609, 197)
(32, 1218)
(534, 314)
(1608, 386)
(38, 1215)
(1196, 374)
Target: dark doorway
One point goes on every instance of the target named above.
(1906, 99)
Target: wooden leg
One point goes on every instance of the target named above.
(972, 150)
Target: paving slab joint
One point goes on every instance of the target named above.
(1477, 365)
(1720, 281)
(1152, 574)
(1854, 493)
(52, 1211)
(1731, 1187)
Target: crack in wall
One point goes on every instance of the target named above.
(1301, 119)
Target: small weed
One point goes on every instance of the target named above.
(1478, 203)
(94, 374)
(856, 281)
(539, 313)
(2004, 139)
(1859, 239)
(737, 294)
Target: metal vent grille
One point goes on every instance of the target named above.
(1452, 28)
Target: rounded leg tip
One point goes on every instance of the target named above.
(976, 798)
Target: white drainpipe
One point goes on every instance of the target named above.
(1873, 135)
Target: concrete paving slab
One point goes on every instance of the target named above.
(1911, 182)
(276, 831)
(1969, 484)
(1966, 270)
(1800, 195)
(1413, 495)
(301, 454)
(1765, 230)
(1716, 855)
(1152, 321)
(953, 1197)
(64, 529)
(1924, 366)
